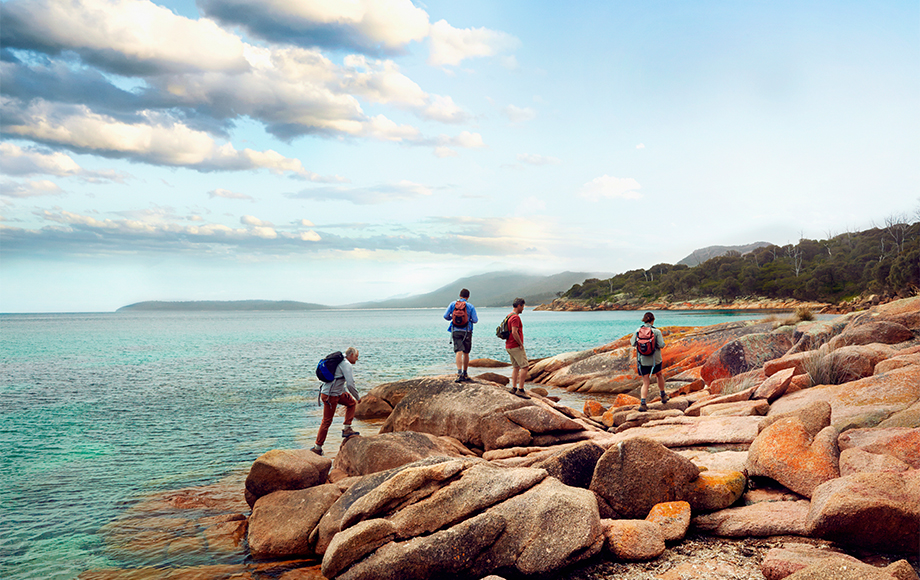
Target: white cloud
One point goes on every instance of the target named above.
(401, 191)
(29, 188)
(227, 194)
(15, 160)
(354, 24)
(443, 152)
(464, 139)
(248, 220)
(123, 36)
(450, 46)
(306, 223)
(158, 141)
(534, 159)
(640, 146)
(606, 187)
(519, 114)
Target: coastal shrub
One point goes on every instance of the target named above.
(738, 383)
(804, 313)
(827, 370)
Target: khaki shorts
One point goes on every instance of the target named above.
(518, 357)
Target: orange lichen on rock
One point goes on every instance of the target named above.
(593, 408)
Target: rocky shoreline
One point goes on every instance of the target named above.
(783, 452)
(758, 304)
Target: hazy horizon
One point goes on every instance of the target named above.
(336, 153)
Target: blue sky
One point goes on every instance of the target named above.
(337, 152)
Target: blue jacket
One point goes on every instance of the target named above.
(470, 311)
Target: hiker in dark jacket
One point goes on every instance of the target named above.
(648, 365)
(462, 334)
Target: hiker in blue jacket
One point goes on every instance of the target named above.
(462, 316)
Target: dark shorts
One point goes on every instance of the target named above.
(644, 370)
(463, 340)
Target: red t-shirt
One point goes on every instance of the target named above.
(514, 321)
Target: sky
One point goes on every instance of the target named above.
(343, 151)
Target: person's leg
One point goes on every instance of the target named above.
(350, 407)
(522, 377)
(329, 405)
(514, 377)
(465, 361)
(459, 358)
(643, 393)
(660, 377)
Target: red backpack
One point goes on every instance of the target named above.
(645, 341)
(460, 318)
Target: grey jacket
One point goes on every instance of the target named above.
(344, 379)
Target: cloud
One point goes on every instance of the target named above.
(640, 146)
(106, 33)
(227, 194)
(606, 187)
(71, 234)
(534, 159)
(366, 26)
(29, 188)
(401, 191)
(443, 152)
(158, 141)
(15, 160)
(519, 114)
(450, 46)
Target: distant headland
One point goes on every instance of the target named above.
(219, 306)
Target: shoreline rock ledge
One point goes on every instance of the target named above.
(785, 435)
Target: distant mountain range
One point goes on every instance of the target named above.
(699, 256)
(219, 306)
(492, 289)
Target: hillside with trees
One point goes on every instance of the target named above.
(882, 260)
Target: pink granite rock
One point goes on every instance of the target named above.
(633, 540)
(774, 387)
(787, 453)
(673, 517)
(870, 510)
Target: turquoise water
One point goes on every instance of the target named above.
(100, 410)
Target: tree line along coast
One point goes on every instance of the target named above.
(836, 274)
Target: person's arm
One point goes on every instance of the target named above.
(660, 338)
(516, 333)
(450, 310)
(473, 317)
(633, 338)
(349, 374)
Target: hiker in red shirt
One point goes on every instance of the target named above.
(514, 344)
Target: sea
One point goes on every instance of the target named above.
(100, 410)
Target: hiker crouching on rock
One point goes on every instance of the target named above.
(462, 316)
(648, 341)
(514, 344)
(339, 391)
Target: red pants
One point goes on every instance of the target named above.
(329, 405)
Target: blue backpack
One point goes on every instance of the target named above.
(325, 370)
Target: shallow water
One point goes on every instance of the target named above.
(101, 410)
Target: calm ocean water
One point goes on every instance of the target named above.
(100, 410)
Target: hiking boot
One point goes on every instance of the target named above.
(664, 397)
(317, 449)
(465, 378)
(349, 432)
(459, 378)
(520, 393)
(643, 407)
